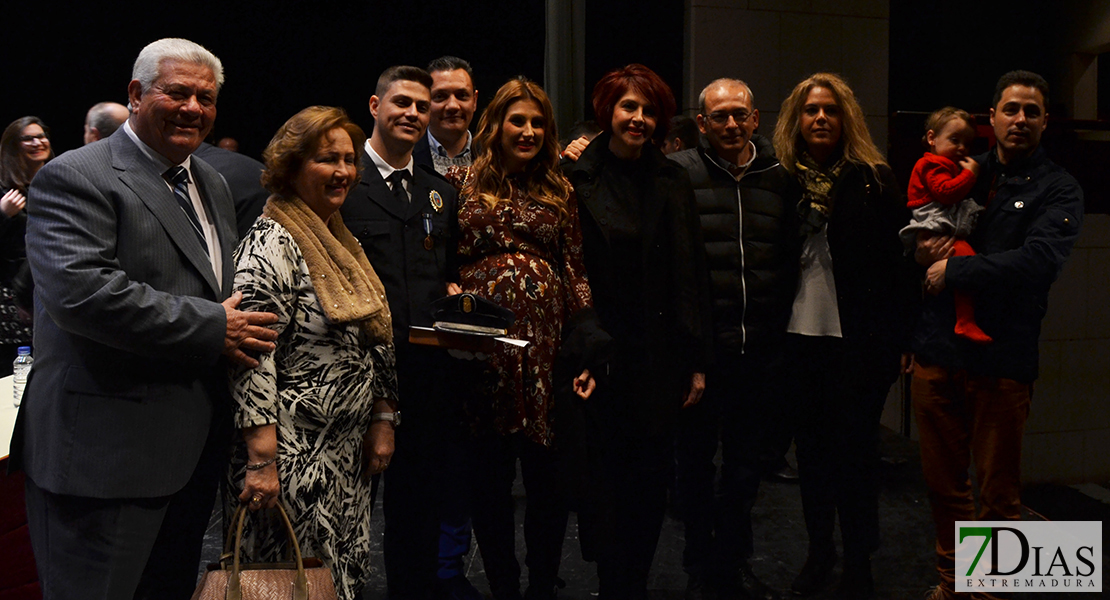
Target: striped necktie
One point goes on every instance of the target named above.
(179, 179)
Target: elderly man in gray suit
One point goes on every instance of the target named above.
(124, 426)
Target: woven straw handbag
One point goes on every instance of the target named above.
(299, 579)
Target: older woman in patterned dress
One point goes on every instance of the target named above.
(312, 414)
(520, 246)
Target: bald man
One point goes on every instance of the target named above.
(103, 119)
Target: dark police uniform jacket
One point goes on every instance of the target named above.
(393, 237)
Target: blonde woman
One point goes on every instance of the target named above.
(849, 323)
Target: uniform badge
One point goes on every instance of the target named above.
(467, 304)
(436, 200)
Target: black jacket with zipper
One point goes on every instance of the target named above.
(750, 230)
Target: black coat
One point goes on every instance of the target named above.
(751, 245)
(242, 174)
(422, 154)
(673, 295)
(877, 290)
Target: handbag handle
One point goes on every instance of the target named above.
(300, 582)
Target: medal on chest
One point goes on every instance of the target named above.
(429, 242)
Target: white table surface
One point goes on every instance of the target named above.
(7, 415)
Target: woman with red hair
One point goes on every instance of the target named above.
(643, 250)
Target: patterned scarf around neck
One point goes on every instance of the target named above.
(817, 183)
(345, 283)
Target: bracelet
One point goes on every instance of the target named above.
(261, 465)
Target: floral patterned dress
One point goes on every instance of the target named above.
(319, 386)
(524, 257)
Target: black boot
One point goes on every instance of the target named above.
(543, 590)
(857, 582)
(815, 573)
(744, 585)
(698, 588)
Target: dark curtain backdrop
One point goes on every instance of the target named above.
(649, 32)
(951, 52)
(58, 59)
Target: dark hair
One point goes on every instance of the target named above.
(14, 170)
(451, 63)
(941, 117)
(297, 139)
(542, 179)
(685, 129)
(101, 118)
(1025, 78)
(618, 82)
(401, 73)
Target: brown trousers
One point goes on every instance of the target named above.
(963, 418)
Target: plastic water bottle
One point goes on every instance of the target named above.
(21, 368)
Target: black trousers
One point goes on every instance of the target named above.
(739, 412)
(119, 549)
(427, 476)
(620, 527)
(840, 390)
(545, 515)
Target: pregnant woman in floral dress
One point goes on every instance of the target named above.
(520, 246)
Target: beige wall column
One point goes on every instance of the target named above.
(774, 44)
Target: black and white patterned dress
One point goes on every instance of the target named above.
(318, 386)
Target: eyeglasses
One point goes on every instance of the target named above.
(40, 137)
(721, 118)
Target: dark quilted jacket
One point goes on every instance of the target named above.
(751, 245)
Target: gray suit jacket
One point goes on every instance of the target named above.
(128, 376)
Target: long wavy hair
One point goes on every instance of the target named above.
(15, 173)
(855, 139)
(542, 180)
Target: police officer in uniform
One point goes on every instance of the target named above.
(405, 217)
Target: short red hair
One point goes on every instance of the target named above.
(616, 83)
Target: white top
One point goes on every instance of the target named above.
(8, 411)
(211, 236)
(815, 310)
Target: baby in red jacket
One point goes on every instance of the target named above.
(938, 191)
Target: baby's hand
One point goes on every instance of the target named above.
(969, 163)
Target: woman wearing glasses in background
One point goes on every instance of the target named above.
(24, 149)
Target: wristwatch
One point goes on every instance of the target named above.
(394, 418)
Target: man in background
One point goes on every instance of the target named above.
(682, 135)
(243, 175)
(103, 119)
(454, 101)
